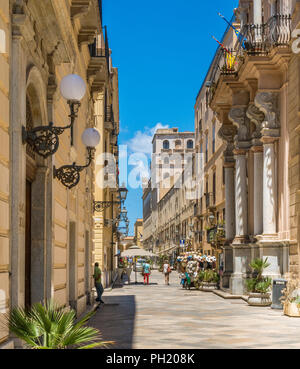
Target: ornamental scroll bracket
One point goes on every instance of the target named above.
(267, 102)
(256, 117)
(227, 132)
(238, 117)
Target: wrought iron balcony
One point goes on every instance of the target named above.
(210, 200)
(259, 39)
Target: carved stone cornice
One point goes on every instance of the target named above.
(79, 8)
(267, 102)
(238, 117)
(86, 36)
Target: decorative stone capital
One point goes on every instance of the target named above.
(238, 117)
(256, 117)
(227, 133)
(267, 102)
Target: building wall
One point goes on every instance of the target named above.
(207, 126)
(294, 155)
(4, 163)
(41, 51)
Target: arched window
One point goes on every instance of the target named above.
(190, 144)
(166, 145)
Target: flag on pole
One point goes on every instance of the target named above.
(240, 37)
(230, 59)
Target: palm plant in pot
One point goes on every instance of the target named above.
(259, 286)
(209, 280)
(49, 326)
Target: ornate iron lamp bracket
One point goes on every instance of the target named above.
(44, 139)
(100, 206)
(69, 175)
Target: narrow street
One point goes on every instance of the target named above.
(168, 317)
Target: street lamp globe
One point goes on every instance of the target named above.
(90, 137)
(123, 192)
(211, 218)
(72, 87)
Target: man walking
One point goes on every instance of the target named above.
(98, 283)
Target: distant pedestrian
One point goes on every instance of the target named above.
(146, 272)
(98, 283)
(167, 272)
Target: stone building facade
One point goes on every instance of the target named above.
(250, 97)
(138, 233)
(166, 219)
(46, 230)
(293, 108)
(105, 233)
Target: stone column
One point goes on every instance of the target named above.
(273, 7)
(257, 12)
(240, 247)
(227, 133)
(241, 196)
(269, 188)
(18, 161)
(267, 102)
(258, 190)
(229, 202)
(269, 245)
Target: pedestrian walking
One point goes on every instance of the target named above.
(167, 272)
(146, 272)
(98, 283)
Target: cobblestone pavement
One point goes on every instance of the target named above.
(168, 317)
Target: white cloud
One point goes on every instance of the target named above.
(142, 141)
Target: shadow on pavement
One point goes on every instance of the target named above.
(115, 320)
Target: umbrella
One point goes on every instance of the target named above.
(135, 251)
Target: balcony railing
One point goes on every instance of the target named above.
(98, 51)
(210, 200)
(260, 38)
(256, 39)
(109, 114)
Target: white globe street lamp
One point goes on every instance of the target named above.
(44, 139)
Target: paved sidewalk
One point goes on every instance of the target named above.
(168, 317)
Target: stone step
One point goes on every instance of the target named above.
(229, 296)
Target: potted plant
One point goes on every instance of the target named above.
(259, 286)
(291, 298)
(49, 326)
(209, 280)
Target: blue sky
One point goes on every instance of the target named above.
(162, 49)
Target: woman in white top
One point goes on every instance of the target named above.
(167, 271)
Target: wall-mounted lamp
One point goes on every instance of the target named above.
(100, 206)
(69, 175)
(44, 139)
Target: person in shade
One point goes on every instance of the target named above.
(146, 272)
(98, 283)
